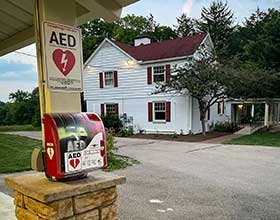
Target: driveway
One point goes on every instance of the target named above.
(180, 181)
(199, 181)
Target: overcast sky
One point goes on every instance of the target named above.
(19, 71)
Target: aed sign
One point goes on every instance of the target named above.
(63, 57)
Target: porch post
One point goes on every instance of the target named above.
(266, 115)
(253, 111)
(278, 112)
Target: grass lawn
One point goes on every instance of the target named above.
(259, 138)
(16, 153)
(18, 128)
(183, 138)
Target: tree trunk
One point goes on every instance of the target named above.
(202, 120)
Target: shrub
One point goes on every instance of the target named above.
(112, 122)
(110, 142)
(226, 127)
(125, 132)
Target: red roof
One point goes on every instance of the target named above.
(165, 49)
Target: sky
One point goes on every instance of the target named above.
(18, 71)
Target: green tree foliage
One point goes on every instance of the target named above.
(125, 30)
(185, 26)
(19, 96)
(263, 45)
(24, 108)
(93, 34)
(217, 20)
(246, 80)
(257, 45)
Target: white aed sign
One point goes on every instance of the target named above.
(88, 158)
(63, 57)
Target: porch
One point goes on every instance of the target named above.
(256, 114)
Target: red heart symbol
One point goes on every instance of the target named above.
(64, 60)
(74, 163)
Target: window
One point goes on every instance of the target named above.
(109, 78)
(110, 109)
(160, 111)
(159, 74)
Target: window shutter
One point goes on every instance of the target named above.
(167, 72)
(223, 109)
(101, 81)
(168, 111)
(150, 111)
(102, 110)
(116, 108)
(219, 108)
(149, 75)
(208, 113)
(116, 84)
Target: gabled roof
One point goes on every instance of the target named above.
(180, 47)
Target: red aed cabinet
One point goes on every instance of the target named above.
(75, 143)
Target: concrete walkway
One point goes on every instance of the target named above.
(31, 134)
(7, 210)
(222, 139)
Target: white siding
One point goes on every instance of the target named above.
(132, 78)
(138, 109)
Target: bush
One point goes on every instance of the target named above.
(116, 162)
(112, 122)
(110, 142)
(226, 127)
(125, 132)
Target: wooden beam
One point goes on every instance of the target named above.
(98, 9)
(17, 41)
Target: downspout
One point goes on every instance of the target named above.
(190, 114)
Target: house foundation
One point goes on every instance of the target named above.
(36, 198)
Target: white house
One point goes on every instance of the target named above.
(121, 79)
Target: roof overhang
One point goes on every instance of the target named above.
(254, 100)
(17, 19)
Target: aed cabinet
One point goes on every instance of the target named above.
(75, 143)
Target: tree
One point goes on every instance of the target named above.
(24, 108)
(185, 26)
(247, 80)
(19, 96)
(125, 30)
(94, 33)
(202, 78)
(217, 20)
(163, 33)
(264, 48)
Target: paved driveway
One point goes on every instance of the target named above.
(180, 181)
(200, 181)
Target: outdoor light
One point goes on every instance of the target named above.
(240, 106)
(130, 62)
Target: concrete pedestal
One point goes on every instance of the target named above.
(93, 198)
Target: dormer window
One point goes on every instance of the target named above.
(109, 78)
(159, 74)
